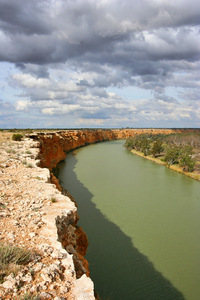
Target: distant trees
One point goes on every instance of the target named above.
(145, 143)
(130, 143)
(175, 149)
(140, 142)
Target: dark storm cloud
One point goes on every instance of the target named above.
(24, 17)
(71, 54)
(42, 32)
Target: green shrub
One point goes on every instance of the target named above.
(17, 137)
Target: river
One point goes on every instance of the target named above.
(142, 221)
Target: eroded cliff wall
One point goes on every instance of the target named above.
(54, 146)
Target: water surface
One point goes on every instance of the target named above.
(142, 221)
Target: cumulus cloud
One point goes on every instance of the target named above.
(70, 54)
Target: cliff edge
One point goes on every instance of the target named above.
(36, 216)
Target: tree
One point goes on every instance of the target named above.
(186, 160)
(130, 143)
(172, 155)
(145, 146)
(157, 147)
(187, 163)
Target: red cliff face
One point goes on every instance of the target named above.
(54, 146)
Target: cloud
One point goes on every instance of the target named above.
(55, 31)
(69, 55)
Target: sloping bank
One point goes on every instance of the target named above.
(53, 148)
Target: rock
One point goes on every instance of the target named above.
(83, 289)
(32, 234)
(59, 253)
(45, 296)
(38, 267)
(27, 278)
(10, 283)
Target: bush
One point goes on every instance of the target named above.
(17, 137)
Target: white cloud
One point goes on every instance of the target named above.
(23, 105)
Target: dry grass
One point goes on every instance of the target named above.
(5, 136)
(11, 258)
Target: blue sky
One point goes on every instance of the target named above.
(106, 63)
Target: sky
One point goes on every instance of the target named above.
(99, 63)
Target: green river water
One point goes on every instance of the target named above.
(142, 221)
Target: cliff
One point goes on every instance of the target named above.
(54, 146)
(37, 217)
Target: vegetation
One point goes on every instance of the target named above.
(10, 151)
(53, 200)
(28, 152)
(17, 137)
(172, 155)
(11, 257)
(182, 149)
(186, 160)
(29, 166)
(29, 297)
(157, 147)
